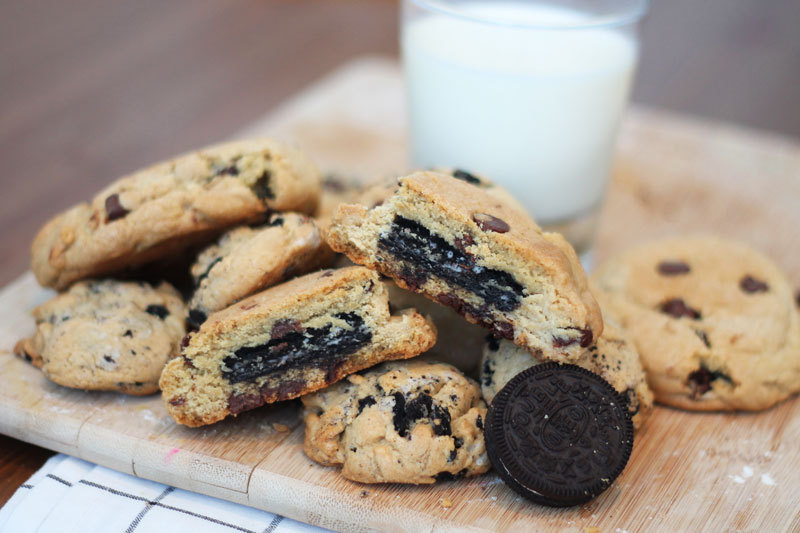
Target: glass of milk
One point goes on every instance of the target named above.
(527, 93)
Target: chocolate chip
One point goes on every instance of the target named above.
(503, 329)
(261, 187)
(797, 298)
(700, 381)
(228, 171)
(108, 358)
(673, 268)
(188, 362)
(490, 223)
(196, 318)
(585, 339)
(677, 308)
(463, 175)
(275, 222)
(703, 337)
(750, 285)
(479, 422)
(114, 208)
(157, 310)
(284, 326)
(185, 340)
(128, 333)
(487, 373)
(365, 402)
(464, 241)
(178, 400)
(327, 274)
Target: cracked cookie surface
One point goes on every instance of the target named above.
(400, 422)
(152, 213)
(714, 321)
(248, 259)
(613, 357)
(451, 241)
(289, 340)
(107, 335)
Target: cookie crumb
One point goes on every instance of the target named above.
(592, 529)
(447, 503)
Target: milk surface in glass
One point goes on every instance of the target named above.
(534, 109)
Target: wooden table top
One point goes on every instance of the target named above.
(94, 89)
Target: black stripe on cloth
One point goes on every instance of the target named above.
(60, 480)
(274, 524)
(26, 486)
(171, 508)
(147, 508)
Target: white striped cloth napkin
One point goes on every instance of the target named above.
(69, 495)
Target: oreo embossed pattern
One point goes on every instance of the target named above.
(558, 434)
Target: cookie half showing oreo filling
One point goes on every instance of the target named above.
(287, 341)
(248, 259)
(400, 422)
(449, 240)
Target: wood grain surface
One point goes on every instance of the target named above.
(688, 471)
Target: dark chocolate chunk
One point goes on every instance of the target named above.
(479, 422)
(261, 187)
(365, 402)
(464, 241)
(447, 476)
(114, 208)
(558, 434)
(749, 284)
(185, 340)
(673, 268)
(489, 222)
(128, 333)
(677, 308)
(419, 253)
(227, 171)
(325, 347)
(458, 442)
(463, 175)
(277, 221)
(703, 337)
(157, 310)
(284, 326)
(700, 380)
(196, 318)
(178, 400)
(108, 358)
(585, 339)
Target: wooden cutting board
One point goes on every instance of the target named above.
(687, 472)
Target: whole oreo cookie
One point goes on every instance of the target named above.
(558, 434)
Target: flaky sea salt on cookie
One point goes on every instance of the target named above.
(287, 341)
(463, 248)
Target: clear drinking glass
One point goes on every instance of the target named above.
(528, 93)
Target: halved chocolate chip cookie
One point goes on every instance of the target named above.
(403, 422)
(107, 335)
(248, 259)
(450, 241)
(289, 340)
(159, 210)
(714, 321)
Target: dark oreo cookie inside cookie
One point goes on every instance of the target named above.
(558, 434)
(421, 253)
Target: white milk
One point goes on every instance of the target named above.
(535, 110)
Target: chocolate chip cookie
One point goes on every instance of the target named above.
(107, 335)
(289, 340)
(613, 357)
(248, 259)
(450, 241)
(404, 422)
(151, 213)
(713, 320)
